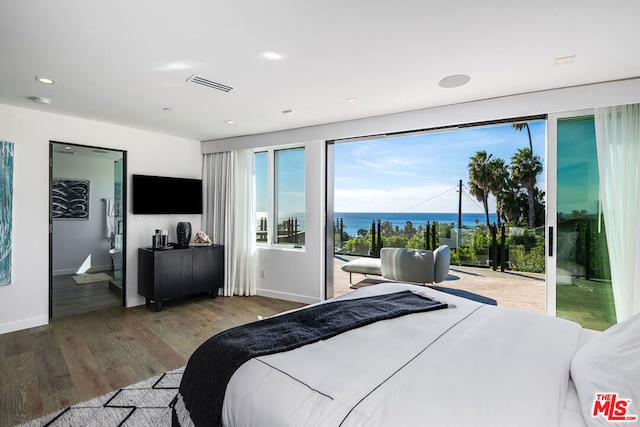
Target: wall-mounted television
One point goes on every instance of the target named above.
(166, 195)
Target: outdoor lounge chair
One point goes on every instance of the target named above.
(404, 265)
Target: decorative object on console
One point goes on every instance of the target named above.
(183, 231)
(160, 239)
(156, 241)
(201, 239)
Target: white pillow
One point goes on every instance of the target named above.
(610, 363)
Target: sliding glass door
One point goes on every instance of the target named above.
(579, 276)
(478, 189)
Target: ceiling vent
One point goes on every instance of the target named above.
(209, 83)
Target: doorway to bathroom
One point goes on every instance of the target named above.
(87, 228)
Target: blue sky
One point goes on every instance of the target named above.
(420, 173)
(290, 178)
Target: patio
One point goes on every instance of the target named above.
(523, 291)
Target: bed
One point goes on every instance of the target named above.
(463, 363)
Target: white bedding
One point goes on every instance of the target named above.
(467, 365)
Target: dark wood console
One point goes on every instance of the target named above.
(177, 272)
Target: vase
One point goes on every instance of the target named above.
(183, 233)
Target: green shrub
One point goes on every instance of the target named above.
(455, 258)
(360, 245)
(416, 241)
(395, 241)
(467, 256)
(530, 261)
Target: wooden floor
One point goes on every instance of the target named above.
(71, 298)
(79, 357)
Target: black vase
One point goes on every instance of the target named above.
(183, 232)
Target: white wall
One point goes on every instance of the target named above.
(293, 274)
(25, 302)
(300, 276)
(81, 242)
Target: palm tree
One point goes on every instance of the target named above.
(539, 206)
(524, 125)
(480, 178)
(525, 167)
(499, 177)
(508, 201)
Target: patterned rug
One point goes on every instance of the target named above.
(144, 404)
(83, 279)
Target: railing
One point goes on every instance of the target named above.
(288, 231)
(477, 246)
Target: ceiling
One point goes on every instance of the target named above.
(130, 62)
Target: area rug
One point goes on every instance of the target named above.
(144, 404)
(83, 279)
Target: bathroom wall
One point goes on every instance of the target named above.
(80, 245)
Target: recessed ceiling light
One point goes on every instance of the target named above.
(45, 80)
(40, 100)
(455, 80)
(176, 66)
(564, 60)
(273, 56)
(67, 147)
(353, 100)
(230, 122)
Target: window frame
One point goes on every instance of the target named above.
(272, 223)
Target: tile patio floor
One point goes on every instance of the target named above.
(524, 291)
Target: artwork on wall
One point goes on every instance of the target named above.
(70, 199)
(6, 210)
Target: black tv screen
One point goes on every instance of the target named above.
(166, 195)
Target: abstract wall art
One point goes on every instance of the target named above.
(70, 199)
(6, 210)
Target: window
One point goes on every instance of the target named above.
(280, 196)
(262, 191)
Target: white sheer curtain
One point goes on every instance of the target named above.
(229, 216)
(618, 142)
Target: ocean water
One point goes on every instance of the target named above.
(353, 221)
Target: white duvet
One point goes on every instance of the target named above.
(467, 365)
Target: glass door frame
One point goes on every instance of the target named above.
(123, 226)
(551, 225)
(329, 186)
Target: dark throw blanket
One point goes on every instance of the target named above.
(211, 366)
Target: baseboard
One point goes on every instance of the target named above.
(286, 296)
(135, 301)
(73, 271)
(23, 324)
